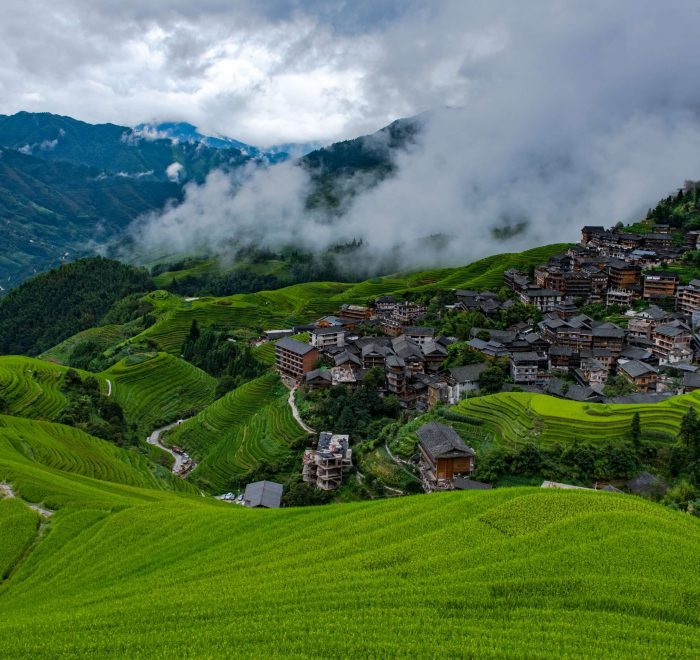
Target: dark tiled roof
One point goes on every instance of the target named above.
(442, 441)
(636, 368)
(468, 372)
(295, 346)
(264, 493)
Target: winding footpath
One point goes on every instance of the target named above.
(295, 412)
(109, 387)
(6, 491)
(154, 439)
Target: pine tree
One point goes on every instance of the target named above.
(636, 430)
(689, 428)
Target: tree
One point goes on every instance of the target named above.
(689, 429)
(617, 386)
(194, 332)
(636, 430)
(492, 379)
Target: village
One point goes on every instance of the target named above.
(647, 353)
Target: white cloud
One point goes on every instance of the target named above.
(566, 115)
(174, 171)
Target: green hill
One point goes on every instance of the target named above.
(518, 417)
(157, 388)
(303, 303)
(235, 433)
(51, 307)
(509, 573)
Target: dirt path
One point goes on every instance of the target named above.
(180, 460)
(7, 491)
(109, 387)
(295, 411)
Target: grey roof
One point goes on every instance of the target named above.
(395, 361)
(442, 441)
(526, 356)
(468, 372)
(346, 356)
(464, 483)
(636, 368)
(611, 489)
(419, 331)
(645, 483)
(264, 493)
(324, 374)
(636, 353)
(295, 346)
(608, 330)
(691, 379)
(333, 330)
(669, 330)
(433, 347)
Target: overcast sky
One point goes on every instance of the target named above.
(552, 113)
(261, 71)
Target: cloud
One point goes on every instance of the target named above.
(174, 171)
(563, 114)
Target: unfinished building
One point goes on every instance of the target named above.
(325, 465)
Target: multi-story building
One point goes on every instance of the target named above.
(544, 299)
(642, 375)
(660, 284)
(642, 324)
(355, 313)
(589, 231)
(326, 337)
(688, 297)
(623, 275)
(670, 340)
(443, 454)
(294, 358)
(324, 466)
(528, 368)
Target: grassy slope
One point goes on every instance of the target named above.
(304, 302)
(62, 466)
(519, 416)
(236, 432)
(157, 388)
(509, 573)
(32, 387)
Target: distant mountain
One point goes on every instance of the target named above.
(50, 212)
(116, 149)
(184, 132)
(70, 189)
(343, 169)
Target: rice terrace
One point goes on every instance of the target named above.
(349, 330)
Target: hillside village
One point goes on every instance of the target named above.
(607, 321)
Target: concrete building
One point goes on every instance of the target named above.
(330, 336)
(660, 284)
(688, 297)
(324, 466)
(294, 358)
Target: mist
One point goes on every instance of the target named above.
(561, 115)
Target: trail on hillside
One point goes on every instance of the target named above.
(7, 491)
(295, 411)
(109, 388)
(180, 459)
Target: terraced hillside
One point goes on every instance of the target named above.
(302, 303)
(156, 388)
(517, 417)
(61, 466)
(249, 425)
(509, 573)
(32, 387)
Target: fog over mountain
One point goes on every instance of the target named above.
(537, 117)
(563, 114)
